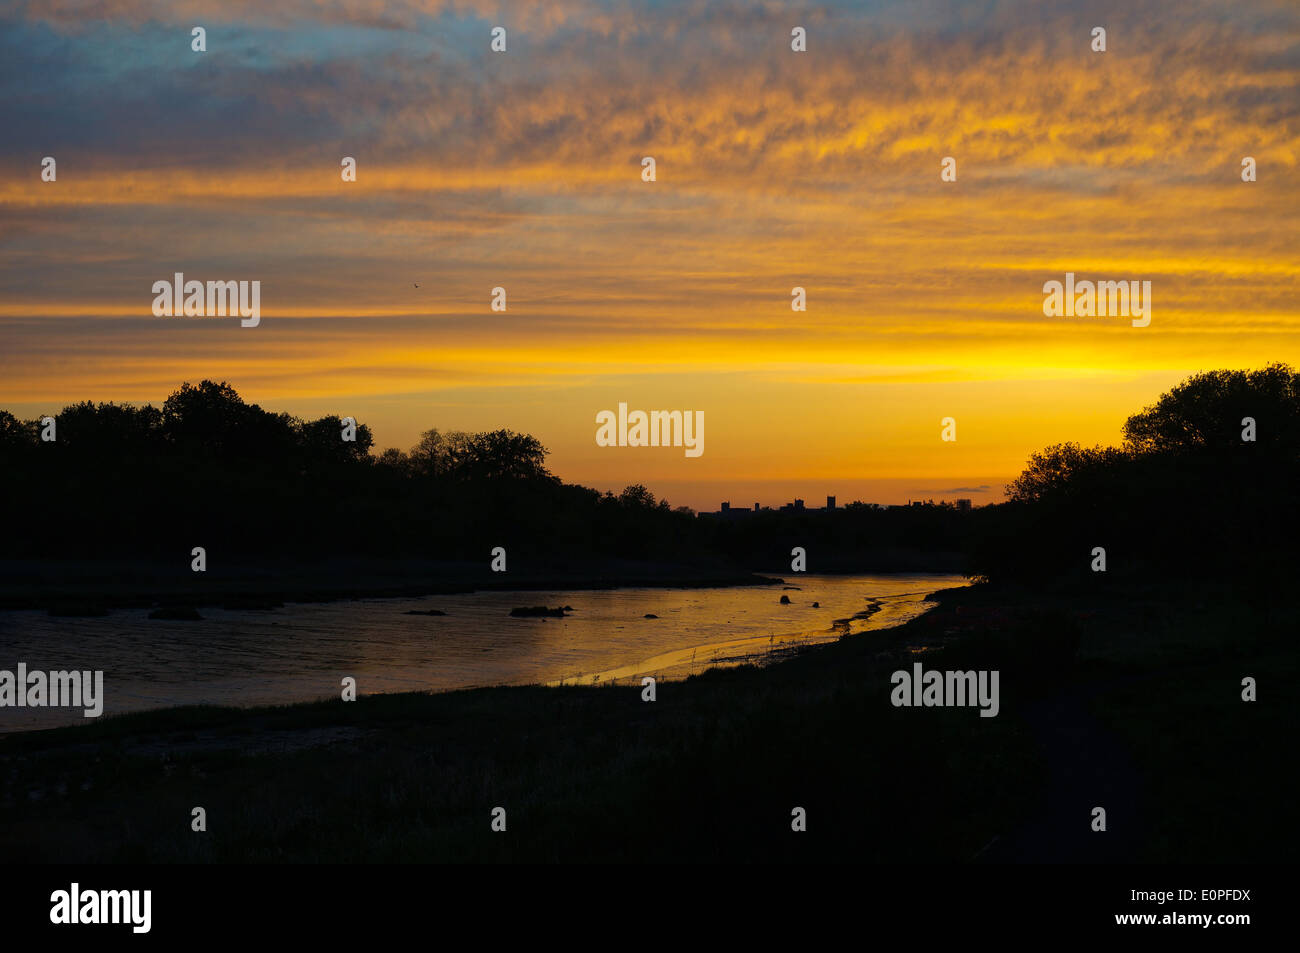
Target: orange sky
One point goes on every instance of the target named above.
(775, 169)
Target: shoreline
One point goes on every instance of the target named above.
(1088, 681)
(680, 664)
(121, 723)
(673, 663)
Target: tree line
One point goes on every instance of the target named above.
(1203, 484)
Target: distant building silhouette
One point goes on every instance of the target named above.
(727, 511)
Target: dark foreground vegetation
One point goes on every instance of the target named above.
(1131, 703)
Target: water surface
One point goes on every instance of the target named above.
(302, 651)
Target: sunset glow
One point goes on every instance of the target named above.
(774, 170)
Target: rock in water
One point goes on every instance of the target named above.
(527, 612)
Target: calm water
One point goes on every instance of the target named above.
(302, 651)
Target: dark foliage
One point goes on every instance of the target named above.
(1185, 496)
(210, 469)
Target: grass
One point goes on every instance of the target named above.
(709, 772)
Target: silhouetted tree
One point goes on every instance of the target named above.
(1187, 495)
(1060, 470)
(14, 434)
(431, 455)
(1206, 412)
(638, 497)
(501, 455)
(109, 430)
(211, 419)
(322, 441)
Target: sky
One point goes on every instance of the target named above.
(774, 169)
